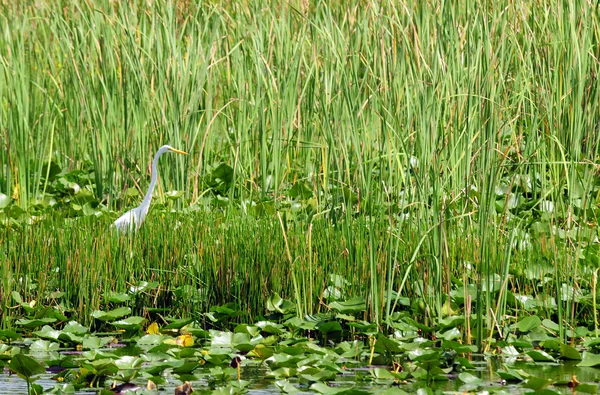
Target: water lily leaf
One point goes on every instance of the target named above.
(451, 334)
(43, 346)
(458, 347)
(47, 332)
(276, 303)
(104, 366)
(325, 389)
(286, 387)
(174, 195)
(26, 367)
(150, 340)
(112, 314)
(187, 367)
(468, 378)
(130, 323)
(319, 375)
(590, 359)
(128, 362)
(540, 356)
(536, 383)
(349, 306)
(94, 342)
(131, 192)
(380, 373)
(143, 286)
(465, 363)
(365, 327)
(385, 344)
(35, 323)
(9, 335)
(261, 352)
(76, 328)
(157, 369)
(513, 375)
(282, 372)
(270, 327)
(392, 391)
(549, 324)
(568, 352)
(586, 388)
(221, 339)
(118, 298)
(452, 321)
(529, 323)
(329, 327)
(178, 324)
(420, 355)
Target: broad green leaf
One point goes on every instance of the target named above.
(536, 383)
(130, 323)
(568, 352)
(468, 378)
(286, 387)
(349, 306)
(118, 298)
(112, 314)
(35, 323)
(43, 346)
(540, 356)
(589, 359)
(528, 323)
(26, 367)
(328, 327)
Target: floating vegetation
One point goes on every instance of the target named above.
(378, 197)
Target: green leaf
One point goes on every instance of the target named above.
(112, 314)
(586, 388)
(353, 305)
(512, 375)
(540, 356)
(286, 387)
(529, 323)
(130, 323)
(325, 389)
(328, 327)
(43, 346)
(589, 359)
(9, 335)
(568, 352)
(276, 303)
(26, 367)
(536, 383)
(35, 323)
(117, 298)
(468, 378)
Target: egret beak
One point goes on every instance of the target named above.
(177, 151)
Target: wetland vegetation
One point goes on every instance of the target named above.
(379, 196)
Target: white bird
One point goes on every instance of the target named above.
(132, 220)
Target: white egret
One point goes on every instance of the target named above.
(132, 220)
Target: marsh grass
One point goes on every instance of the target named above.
(430, 139)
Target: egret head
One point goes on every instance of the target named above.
(168, 148)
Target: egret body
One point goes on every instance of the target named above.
(132, 219)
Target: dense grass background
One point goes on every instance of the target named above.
(437, 147)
